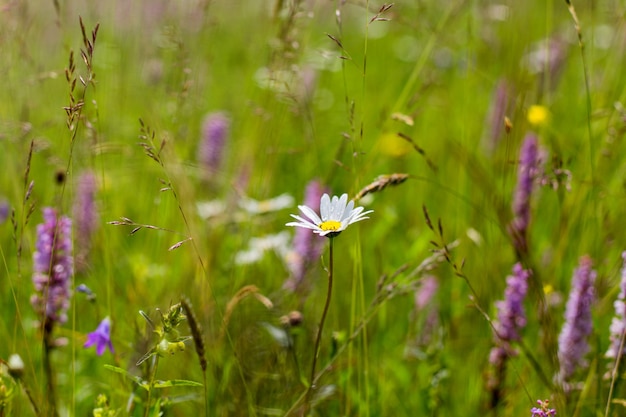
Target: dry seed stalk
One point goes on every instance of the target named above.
(237, 298)
(196, 332)
(380, 183)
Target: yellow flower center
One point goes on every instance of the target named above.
(330, 225)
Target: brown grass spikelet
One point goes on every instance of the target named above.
(237, 298)
(419, 150)
(508, 125)
(196, 332)
(378, 16)
(380, 183)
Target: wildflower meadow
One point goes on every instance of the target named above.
(312, 208)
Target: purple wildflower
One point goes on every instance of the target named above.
(426, 291)
(573, 345)
(215, 130)
(543, 410)
(426, 310)
(511, 315)
(5, 209)
(523, 191)
(618, 324)
(101, 337)
(308, 246)
(497, 114)
(53, 268)
(511, 320)
(85, 216)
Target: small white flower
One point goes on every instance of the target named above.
(259, 245)
(253, 206)
(336, 215)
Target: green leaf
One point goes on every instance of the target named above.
(124, 372)
(176, 383)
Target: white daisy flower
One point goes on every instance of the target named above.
(335, 216)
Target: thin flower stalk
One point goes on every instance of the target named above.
(316, 348)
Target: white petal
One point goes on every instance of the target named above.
(307, 211)
(360, 216)
(342, 206)
(325, 207)
(348, 211)
(302, 223)
(332, 208)
(338, 207)
(354, 213)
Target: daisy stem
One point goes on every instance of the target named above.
(316, 349)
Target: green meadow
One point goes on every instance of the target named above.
(179, 137)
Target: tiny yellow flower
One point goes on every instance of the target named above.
(538, 115)
(548, 289)
(393, 145)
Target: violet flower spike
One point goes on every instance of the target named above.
(84, 209)
(53, 268)
(618, 324)
(425, 292)
(543, 410)
(5, 210)
(573, 344)
(85, 215)
(521, 200)
(497, 113)
(215, 130)
(511, 315)
(101, 337)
